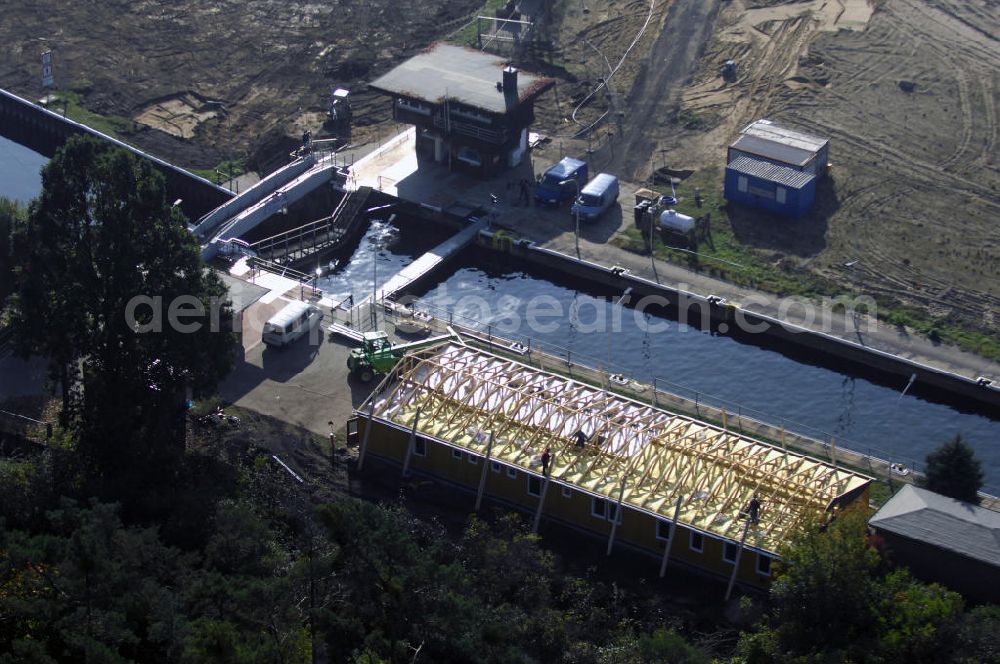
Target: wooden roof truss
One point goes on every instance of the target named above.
(464, 394)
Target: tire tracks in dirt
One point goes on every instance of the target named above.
(655, 94)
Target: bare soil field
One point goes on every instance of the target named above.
(906, 90)
(220, 76)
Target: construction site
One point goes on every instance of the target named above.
(906, 89)
(439, 129)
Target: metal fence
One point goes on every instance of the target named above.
(25, 427)
(662, 392)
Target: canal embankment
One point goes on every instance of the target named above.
(45, 132)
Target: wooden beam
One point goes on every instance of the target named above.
(484, 473)
(368, 431)
(670, 536)
(618, 517)
(411, 445)
(736, 563)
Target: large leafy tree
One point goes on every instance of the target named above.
(953, 470)
(826, 578)
(9, 211)
(832, 601)
(99, 261)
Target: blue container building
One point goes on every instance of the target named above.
(763, 184)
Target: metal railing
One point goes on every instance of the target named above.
(25, 427)
(469, 129)
(304, 241)
(660, 392)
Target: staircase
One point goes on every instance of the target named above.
(298, 245)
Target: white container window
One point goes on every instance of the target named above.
(604, 509)
(567, 492)
(779, 194)
(534, 486)
(763, 564)
(413, 106)
(512, 473)
(495, 467)
(741, 183)
(729, 551)
(456, 454)
(473, 459)
(697, 542)
(662, 530)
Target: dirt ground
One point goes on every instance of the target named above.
(907, 92)
(222, 76)
(905, 89)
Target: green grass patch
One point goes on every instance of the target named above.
(230, 168)
(725, 257)
(112, 125)
(467, 35)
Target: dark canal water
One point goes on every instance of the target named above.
(20, 178)
(761, 380)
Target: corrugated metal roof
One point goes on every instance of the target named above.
(461, 74)
(762, 147)
(774, 132)
(599, 439)
(946, 523)
(773, 172)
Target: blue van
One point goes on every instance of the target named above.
(550, 192)
(599, 194)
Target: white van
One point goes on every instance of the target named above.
(295, 320)
(599, 194)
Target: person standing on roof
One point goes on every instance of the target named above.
(546, 457)
(753, 509)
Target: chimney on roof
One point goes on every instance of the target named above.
(510, 79)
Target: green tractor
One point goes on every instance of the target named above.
(375, 356)
(378, 356)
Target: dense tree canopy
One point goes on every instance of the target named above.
(953, 470)
(836, 600)
(101, 260)
(9, 212)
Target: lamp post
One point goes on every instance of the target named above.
(611, 326)
(375, 247)
(576, 183)
(374, 283)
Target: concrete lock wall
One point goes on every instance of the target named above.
(45, 132)
(944, 384)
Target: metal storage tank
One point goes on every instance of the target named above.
(676, 222)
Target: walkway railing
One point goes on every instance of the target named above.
(683, 399)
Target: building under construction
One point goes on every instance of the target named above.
(597, 461)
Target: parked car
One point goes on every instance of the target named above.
(292, 322)
(594, 200)
(551, 190)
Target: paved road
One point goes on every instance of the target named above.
(656, 91)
